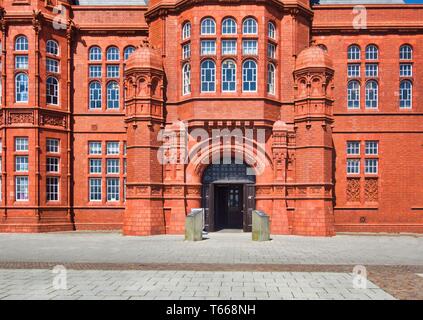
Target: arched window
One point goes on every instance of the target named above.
(372, 93)
(406, 94)
(229, 26)
(208, 26)
(21, 43)
(95, 54)
(228, 76)
(353, 95)
(249, 76)
(113, 95)
(406, 52)
(112, 54)
(95, 95)
(208, 76)
(372, 52)
(21, 87)
(271, 78)
(186, 79)
(271, 30)
(353, 52)
(52, 91)
(186, 31)
(250, 26)
(128, 51)
(52, 47)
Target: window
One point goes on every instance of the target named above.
(371, 166)
(21, 188)
(95, 95)
(186, 51)
(353, 148)
(353, 166)
(208, 76)
(208, 47)
(353, 95)
(95, 54)
(52, 47)
(406, 70)
(271, 30)
(271, 51)
(353, 70)
(228, 76)
(113, 166)
(52, 91)
(95, 71)
(112, 95)
(354, 52)
(127, 52)
(112, 189)
(95, 166)
(112, 54)
(372, 70)
(249, 76)
(372, 52)
(52, 165)
(406, 52)
(112, 147)
(208, 27)
(372, 94)
(186, 31)
(21, 62)
(406, 94)
(21, 144)
(228, 47)
(249, 47)
(52, 65)
(250, 26)
(271, 71)
(228, 26)
(112, 71)
(52, 185)
(21, 43)
(21, 163)
(372, 148)
(186, 71)
(94, 147)
(53, 145)
(95, 189)
(21, 87)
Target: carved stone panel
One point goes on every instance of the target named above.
(371, 190)
(353, 190)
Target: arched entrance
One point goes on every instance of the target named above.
(228, 196)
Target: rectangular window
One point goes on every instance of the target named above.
(21, 144)
(52, 65)
(186, 51)
(353, 148)
(249, 47)
(353, 70)
(95, 166)
(372, 70)
(21, 188)
(271, 51)
(95, 71)
(21, 164)
(112, 189)
(229, 47)
(406, 70)
(21, 62)
(53, 164)
(53, 145)
(95, 189)
(113, 166)
(94, 147)
(112, 147)
(353, 166)
(372, 148)
(112, 71)
(208, 47)
(371, 166)
(124, 166)
(52, 185)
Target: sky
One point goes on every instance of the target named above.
(413, 1)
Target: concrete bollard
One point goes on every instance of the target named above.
(261, 226)
(194, 225)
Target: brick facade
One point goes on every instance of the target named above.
(112, 110)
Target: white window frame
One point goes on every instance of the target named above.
(52, 188)
(250, 26)
(229, 71)
(95, 148)
(95, 189)
(112, 148)
(21, 188)
(53, 164)
(113, 189)
(353, 166)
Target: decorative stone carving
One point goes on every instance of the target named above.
(21, 118)
(371, 190)
(53, 120)
(353, 190)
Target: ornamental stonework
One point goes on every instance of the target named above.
(21, 118)
(371, 190)
(53, 120)
(353, 190)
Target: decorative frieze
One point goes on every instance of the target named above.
(371, 190)
(353, 190)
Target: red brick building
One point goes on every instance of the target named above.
(128, 116)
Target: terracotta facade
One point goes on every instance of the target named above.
(325, 101)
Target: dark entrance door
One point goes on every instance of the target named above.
(228, 207)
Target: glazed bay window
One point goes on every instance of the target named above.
(208, 47)
(353, 166)
(52, 65)
(372, 70)
(21, 188)
(21, 62)
(353, 148)
(52, 186)
(95, 166)
(95, 71)
(53, 145)
(229, 47)
(271, 51)
(249, 47)
(228, 76)
(94, 147)
(21, 163)
(113, 166)
(53, 164)
(95, 189)
(112, 71)
(21, 144)
(112, 147)
(186, 51)
(353, 70)
(371, 166)
(113, 189)
(406, 70)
